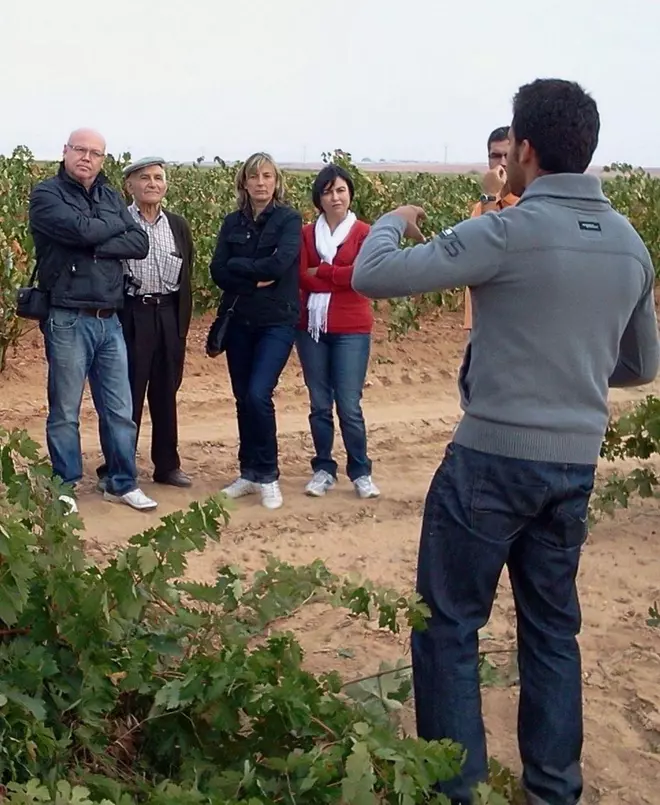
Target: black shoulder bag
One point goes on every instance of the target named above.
(215, 341)
(31, 302)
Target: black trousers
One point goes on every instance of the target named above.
(156, 355)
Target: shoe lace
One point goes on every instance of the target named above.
(271, 490)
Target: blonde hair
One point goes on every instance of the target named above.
(247, 169)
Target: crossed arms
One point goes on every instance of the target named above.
(242, 274)
(115, 235)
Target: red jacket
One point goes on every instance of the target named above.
(349, 312)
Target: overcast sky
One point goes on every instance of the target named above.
(386, 79)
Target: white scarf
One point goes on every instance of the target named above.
(327, 243)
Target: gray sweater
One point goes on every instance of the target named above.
(563, 307)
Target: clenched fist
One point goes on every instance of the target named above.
(494, 181)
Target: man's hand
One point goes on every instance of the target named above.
(412, 216)
(265, 284)
(494, 181)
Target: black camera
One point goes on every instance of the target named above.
(131, 284)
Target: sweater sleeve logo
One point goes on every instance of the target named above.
(452, 244)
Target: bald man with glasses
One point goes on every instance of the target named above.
(83, 233)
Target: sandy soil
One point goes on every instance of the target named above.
(411, 406)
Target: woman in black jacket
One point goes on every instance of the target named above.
(256, 266)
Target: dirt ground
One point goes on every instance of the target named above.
(411, 406)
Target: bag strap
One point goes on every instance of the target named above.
(33, 276)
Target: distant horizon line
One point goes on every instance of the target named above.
(412, 165)
(385, 166)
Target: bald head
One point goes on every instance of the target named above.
(84, 153)
(87, 135)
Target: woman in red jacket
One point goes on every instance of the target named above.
(334, 337)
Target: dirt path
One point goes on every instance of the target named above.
(411, 407)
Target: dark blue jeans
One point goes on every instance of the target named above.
(483, 512)
(256, 357)
(81, 347)
(335, 369)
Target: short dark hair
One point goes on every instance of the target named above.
(326, 178)
(561, 122)
(498, 135)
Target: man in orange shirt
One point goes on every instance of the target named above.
(496, 194)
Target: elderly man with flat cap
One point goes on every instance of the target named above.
(156, 315)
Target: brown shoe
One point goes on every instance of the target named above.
(174, 478)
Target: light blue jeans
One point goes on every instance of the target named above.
(80, 347)
(335, 369)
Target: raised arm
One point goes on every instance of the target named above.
(639, 350)
(51, 216)
(468, 254)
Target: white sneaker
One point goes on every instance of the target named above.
(135, 499)
(321, 482)
(240, 488)
(70, 503)
(271, 495)
(365, 487)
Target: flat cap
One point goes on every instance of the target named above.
(145, 162)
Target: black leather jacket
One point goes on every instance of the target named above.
(80, 239)
(248, 252)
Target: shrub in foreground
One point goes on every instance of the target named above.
(127, 683)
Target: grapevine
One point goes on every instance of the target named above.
(204, 195)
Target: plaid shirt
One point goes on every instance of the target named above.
(160, 270)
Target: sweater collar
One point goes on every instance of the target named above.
(569, 186)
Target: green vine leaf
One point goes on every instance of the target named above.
(358, 785)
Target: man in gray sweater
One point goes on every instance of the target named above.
(562, 291)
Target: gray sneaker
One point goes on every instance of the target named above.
(366, 488)
(321, 482)
(240, 488)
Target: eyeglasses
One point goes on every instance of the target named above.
(82, 151)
